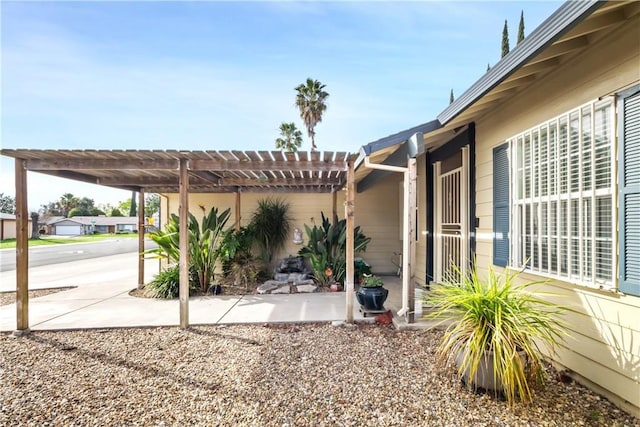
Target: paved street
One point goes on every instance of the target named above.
(55, 254)
(106, 269)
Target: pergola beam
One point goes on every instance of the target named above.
(99, 164)
(149, 182)
(274, 165)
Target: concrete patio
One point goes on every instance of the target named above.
(101, 300)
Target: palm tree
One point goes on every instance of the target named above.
(67, 202)
(310, 100)
(291, 138)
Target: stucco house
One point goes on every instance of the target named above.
(8, 226)
(79, 225)
(536, 167)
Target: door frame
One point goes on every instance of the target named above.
(466, 138)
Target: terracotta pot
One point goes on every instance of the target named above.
(336, 287)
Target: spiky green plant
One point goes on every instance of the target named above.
(326, 248)
(497, 314)
(166, 284)
(270, 225)
(204, 238)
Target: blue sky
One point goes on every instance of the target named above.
(221, 75)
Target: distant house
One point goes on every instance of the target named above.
(79, 225)
(8, 226)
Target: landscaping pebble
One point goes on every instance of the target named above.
(287, 375)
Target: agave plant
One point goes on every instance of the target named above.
(204, 239)
(499, 325)
(326, 248)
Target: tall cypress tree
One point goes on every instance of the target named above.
(133, 209)
(521, 27)
(451, 97)
(488, 66)
(505, 39)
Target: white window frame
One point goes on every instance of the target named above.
(586, 243)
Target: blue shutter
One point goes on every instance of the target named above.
(629, 190)
(501, 205)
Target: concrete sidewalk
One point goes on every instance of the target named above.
(102, 300)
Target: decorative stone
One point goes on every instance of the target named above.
(282, 277)
(305, 282)
(283, 289)
(306, 288)
(296, 277)
(268, 286)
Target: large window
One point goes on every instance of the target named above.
(562, 197)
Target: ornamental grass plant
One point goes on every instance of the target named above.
(496, 315)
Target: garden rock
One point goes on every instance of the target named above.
(306, 288)
(282, 289)
(268, 286)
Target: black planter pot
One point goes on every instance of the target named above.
(372, 298)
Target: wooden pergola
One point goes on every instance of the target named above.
(182, 172)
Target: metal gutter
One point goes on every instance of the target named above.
(560, 22)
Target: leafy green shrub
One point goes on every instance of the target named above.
(269, 226)
(166, 284)
(204, 239)
(326, 248)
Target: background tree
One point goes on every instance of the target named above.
(115, 212)
(505, 39)
(310, 100)
(51, 209)
(290, 138)
(85, 204)
(67, 202)
(521, 27)
(488, 66)
(34, 226)
(451, 99)
(124, 206)
(151, 205)
(7, 204)
(134, 207)
(78, 211)
(96, 212)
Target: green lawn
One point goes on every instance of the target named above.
(57, 240)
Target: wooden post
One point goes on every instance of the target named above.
(238, 217)
(334, 203)
(22, 250)
(141, 222)
(349, 211)
(184, 244)
(412, 174)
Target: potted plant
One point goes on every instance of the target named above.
(371, 295)
(496, 332)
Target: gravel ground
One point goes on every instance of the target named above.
(7, 298)
(307, 375)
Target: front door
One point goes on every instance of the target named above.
(451, 196)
